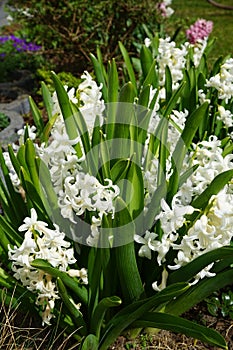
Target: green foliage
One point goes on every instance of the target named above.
(221, 303)
(69, 30)
(67, 78)
(18, 54)
(4, 121)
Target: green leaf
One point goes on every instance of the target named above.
(47, 192)
(154, 206)
(151, 78)
(4, 243)
(113, 82)
(30, 156)
(100, 76)
(99, 313)
(73, 310)
(132, 312)
(33, 194)
(10, 232)
(15, 162)
(173, 100)
(100, 60)
(37, 116)
(105, 158)
(129, 66)
(163, 153)
(180, 325)
(214, 187)
(144, 96)
(47, 99)
(132, 187)
(168, 83)
(184, 177)
(14, 201)
(81, 126)
(119, 170)
(90, 343)
(94, 277)
(146, 60)
(48, 127)
(21, 157)
(67, 112)
(125, 255)
(127, 93)
(187, 272)
(199, 292)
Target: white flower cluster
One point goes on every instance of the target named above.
(213, 229)
(88, 98)
(171, 220)
(226, 116)
(208, 155)
(91, 97)
(223, 81)
(60, 155)
(175, 126)
(173, 57)
(31, 131)
(198, 50)
(40, 242)
(84, 192)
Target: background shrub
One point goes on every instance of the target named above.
(69, 30)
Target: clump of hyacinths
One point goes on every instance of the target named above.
(118, 210)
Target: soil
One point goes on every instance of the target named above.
(170, 341)
(27, 333)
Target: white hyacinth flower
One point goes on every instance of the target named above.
(41, 242)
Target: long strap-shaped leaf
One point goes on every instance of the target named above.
(214, 187)
(187, 272)
(67, 112)
(47, 99)
(180, 325)
(199, 292)
(37, 116)
(100, 310)
(134, 311)
(74, 311)
(100, 75)
(125, 255)
(129, 66)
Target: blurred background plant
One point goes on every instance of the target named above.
(17, 53)
(4, 121)
(69, 30)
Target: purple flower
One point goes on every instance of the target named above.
(19, 44)
(199, 30)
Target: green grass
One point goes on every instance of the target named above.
(188, 11)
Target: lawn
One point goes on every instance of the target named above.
(187, 12)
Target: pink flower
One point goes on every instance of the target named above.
(199, 30)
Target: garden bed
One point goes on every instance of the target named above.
(31, 336)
